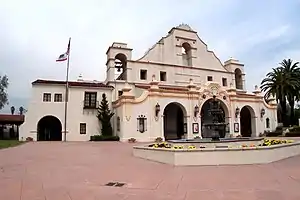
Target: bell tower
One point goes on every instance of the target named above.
(118, 55)
(238, 74)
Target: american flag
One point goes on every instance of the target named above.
(64, 56)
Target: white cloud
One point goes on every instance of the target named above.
(35, 32)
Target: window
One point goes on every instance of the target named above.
(57, 97)
(186, 54)
(82, 128)
(142, 123)
(90, 99)
(143, 74)
(224, 82)
(209, 78)
(163, 76)
(120, 93)
(238, 79)
(268, 123)
(47, 97)
(118, 123)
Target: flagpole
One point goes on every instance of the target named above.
(67, 93)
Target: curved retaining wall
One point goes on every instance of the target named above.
(218, 156)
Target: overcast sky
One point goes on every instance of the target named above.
(33, 33)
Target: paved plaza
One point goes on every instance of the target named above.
(80, 170)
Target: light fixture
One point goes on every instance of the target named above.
(196, 110)
(262, 112)
(157, 109)
(237, 112)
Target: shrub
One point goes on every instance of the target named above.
(104, 138)
(132, 140)
(293, 134)
(273, 134)
(263, 134)
(295, 129)
(158, 139)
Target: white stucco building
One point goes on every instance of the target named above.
(163, 94)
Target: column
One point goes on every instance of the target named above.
(190, 134)
(162, 127)
(256, 126)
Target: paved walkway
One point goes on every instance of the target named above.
(79, 171)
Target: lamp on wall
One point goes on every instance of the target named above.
(262, 112)
(157, 109)
(237, 112)
(196, 110)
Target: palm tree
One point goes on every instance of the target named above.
(12, 110)
(273, 85)
(284, 83)
(21, 110)
(292, 76)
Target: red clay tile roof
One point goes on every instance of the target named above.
(11, 119)
(73, 83)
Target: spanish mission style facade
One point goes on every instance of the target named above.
(165, 93)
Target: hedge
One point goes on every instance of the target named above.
(104, 138)
(273, 134)
(292, 134)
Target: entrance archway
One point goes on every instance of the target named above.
(247, 121)
(49, 129)
(206, 118)
(174, 121)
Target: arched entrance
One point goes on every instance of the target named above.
(49, 129)
(206, 118)
(247, 121)
(174, 121)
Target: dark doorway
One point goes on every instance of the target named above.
(49, 129)
(173, 122)
(246, 128)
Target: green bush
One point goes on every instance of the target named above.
(295, 129)
(279, 128)
(293, 134)
(104, 138)
(273, 134)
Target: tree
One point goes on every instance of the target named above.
(292, 75)
(104, 116)
(12, 110)
(284, 83)
(3, 92)
(274, 85)
(21, 110)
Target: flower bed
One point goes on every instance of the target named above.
(269, 142)
(170, 146)
(265, 142)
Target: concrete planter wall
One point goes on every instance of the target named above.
(219, 156)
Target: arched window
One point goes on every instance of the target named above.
(187, 54)
(121, 65)
(238, 79)
(268, 123)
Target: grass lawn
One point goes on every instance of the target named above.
(9, 143)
